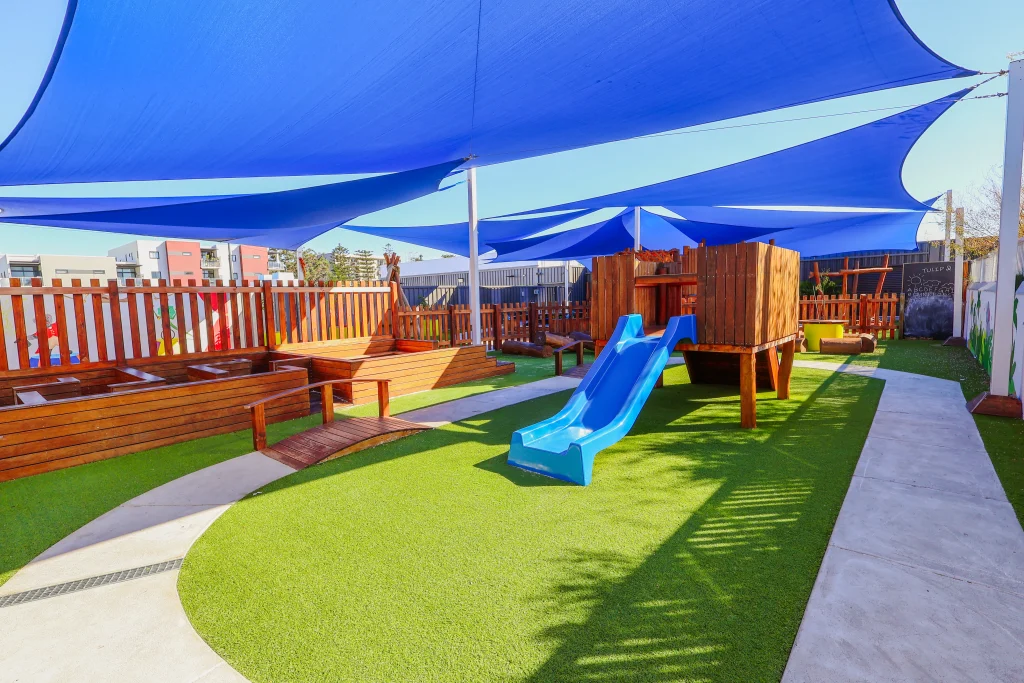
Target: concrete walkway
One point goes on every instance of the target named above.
(116, 615)
(923, 578)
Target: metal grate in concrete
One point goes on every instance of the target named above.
(85, 584)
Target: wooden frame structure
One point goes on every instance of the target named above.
(746, 303)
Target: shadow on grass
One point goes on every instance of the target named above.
(722, 598)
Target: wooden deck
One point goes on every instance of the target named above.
(337, 438)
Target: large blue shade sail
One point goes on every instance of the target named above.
(454, 237)
(598, 239)
(290, 214)
(142, 90)
(891, 230)
(861, 167)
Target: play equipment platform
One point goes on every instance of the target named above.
(604, 406)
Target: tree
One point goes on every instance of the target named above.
(286, 257)
(317, 266)
(366, 265)
(341, 264)
(981, 217)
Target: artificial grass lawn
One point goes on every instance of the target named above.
(1003, 437)
(690, 557)
(38, 511)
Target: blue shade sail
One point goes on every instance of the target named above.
(894, 230)
(861, 167)
(240, 216)
(599, 239)
(143, 90)
(454, 237)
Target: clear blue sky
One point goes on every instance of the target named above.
(957, 152)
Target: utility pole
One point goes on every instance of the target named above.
(958, 278)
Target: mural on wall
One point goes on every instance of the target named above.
(928, 288)
(981, 299)
(172, 316)
(1017, 350)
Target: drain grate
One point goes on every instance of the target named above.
(85, 584)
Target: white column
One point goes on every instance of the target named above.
(566, 281)
(958, 277)
(474, 258)
(949, 221)
(636, 228)
(1009, 222)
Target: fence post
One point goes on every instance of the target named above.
(531, 322)
(269, 319)
(903, 303)
(115, 321)
(497, 314)
(452, 336)
(394, 309)
(863, 314)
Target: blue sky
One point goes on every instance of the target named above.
(958, 152)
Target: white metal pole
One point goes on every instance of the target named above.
(958, 277)
(566, 281)
(1009, 224)
(474, 258)
(949, 222)
(636, 228)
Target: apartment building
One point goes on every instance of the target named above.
(51, 266)
(249, 263)
(171, 260)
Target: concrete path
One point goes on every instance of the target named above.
(115, 613)
(923, 578)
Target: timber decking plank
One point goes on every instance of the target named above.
(321, 442)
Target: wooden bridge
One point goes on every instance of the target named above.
(331, 439)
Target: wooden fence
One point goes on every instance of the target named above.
(879, 315)
(307, 312)
(521, 322)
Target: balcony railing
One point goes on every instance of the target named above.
(275, 266)
(211, 262)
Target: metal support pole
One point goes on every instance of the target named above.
(474, 258)
(636, 228)
(949, 223)
(566, 282)
(958, 277)
(1009, 224)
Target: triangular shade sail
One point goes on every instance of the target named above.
(861, 167)
(142, 90)
(454, 237)
(598, 239)
(241, 216)
(895, 230)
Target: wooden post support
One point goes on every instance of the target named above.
(558, 363)
(496, 315)
(327, 403)
(394, 309)
(532, 322)
(117, 330)
(269, 318)
(903, 306)
(452, 334)
(579, 354)
(881, 277)
(39, 312)
(748, 390)
(383, 399)
(259, 428)
(786, 369)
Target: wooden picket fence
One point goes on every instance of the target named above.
(450, 325)
(881, 315)
(314, 312)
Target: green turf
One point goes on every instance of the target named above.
(38, 511)
(690, 557)
(527, 370)
(1002, 436)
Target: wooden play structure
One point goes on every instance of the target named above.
(745, 301)
(96, 371)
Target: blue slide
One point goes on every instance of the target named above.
(605, 404)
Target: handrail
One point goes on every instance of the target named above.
(258, 410)
(579, 355)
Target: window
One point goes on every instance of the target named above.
(25, 271)
(255, 256)
(60, 271)
(154, 254)
(186, 253)
(125, 273)
(189, 272)
(234, 257)
(155, 275)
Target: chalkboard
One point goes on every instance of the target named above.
(928, 288)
